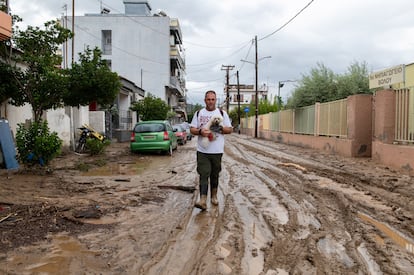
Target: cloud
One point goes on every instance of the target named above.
(220, 32)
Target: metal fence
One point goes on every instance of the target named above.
(322, 119)
(404, 115)
(332, 119)
(305, 120)
(122, 120)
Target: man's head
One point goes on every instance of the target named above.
(210, 100)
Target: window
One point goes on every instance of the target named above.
(235, 98)
(106, 42)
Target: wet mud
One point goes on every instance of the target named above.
(282, 210)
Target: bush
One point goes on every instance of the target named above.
(36, 144)
(96, 146)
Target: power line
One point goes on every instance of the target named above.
(290, 20)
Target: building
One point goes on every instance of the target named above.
(5, 21)
(143, 48)
(247, 95)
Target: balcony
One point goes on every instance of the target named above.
(5, 26)
(175, 55)
(176, 84)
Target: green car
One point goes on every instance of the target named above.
(153, 136)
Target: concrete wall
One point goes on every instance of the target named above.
(16, 115)
(359, 124)
(97, 121)
(384, 116)
(358, 142)
(371, 127)
(400, 157)
(59, 122)
(140, 47)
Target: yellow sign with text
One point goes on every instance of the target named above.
(387, 77)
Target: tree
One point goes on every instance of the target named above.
(91, 80)
(323, 85)
(355, 81)
(195, 108)
(151, 108)
(42, 82)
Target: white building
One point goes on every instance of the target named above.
(247, 95)
(143, 48)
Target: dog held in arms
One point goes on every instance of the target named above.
(215, 125)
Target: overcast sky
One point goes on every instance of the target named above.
(297, 34)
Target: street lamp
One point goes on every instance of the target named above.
(281, 84)
(256, 84)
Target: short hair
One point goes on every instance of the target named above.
(209, 92)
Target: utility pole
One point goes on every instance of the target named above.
(257, 92)
(73, 32)
(227, 68)
(238, 100)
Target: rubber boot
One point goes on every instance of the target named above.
(214, 199)
(202, 204)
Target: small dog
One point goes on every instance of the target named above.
(215, 124)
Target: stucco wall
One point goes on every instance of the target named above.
(384, 116)
(16, 115)
(400, 157)
(59, 122)
(359, 124)
(371, 126)
(140, 47)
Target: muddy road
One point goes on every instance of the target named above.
(282, 210)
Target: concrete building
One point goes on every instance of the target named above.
(247, 95)
(5, 21)
(143, 48)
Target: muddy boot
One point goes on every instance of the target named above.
(214, 199)
(202, 204)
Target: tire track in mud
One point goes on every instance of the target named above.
(282, 212)
(324, 232)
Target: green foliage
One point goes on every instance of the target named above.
(151, 108)
(171, 114)
(95, 146)
(194, 109)
(234, 116)
(42, 83)
(264, 107)
(91, 80)
(323, 85)
(36, 144)
(8, 84)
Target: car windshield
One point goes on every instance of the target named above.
(148, 128)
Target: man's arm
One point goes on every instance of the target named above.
(227, 130)
(198, 131)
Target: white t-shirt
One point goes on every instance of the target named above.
(199, 121)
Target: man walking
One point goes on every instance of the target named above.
(210, 146)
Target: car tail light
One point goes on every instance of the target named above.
(132, 136)
(166, 136)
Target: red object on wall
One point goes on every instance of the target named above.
(93, 106)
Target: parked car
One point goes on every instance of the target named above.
(180, 133)
(153, 136)
(186, 126)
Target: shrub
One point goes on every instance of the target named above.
(96, 146)
(36, 144)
